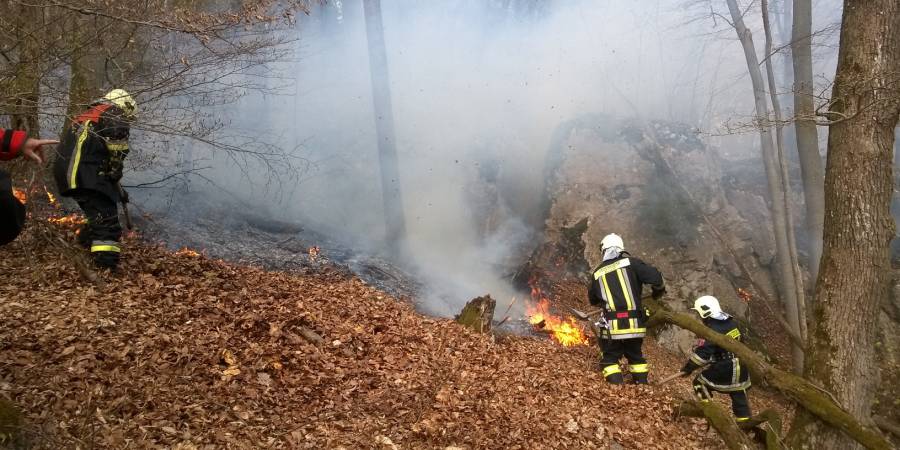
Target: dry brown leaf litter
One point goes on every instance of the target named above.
(185, 352)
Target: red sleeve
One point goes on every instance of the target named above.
(11, 142)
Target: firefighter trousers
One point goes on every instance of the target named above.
(102, 231)
(614, 350)
(740, 404)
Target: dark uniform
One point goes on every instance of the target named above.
(616, 287)
(12, 211)
(724, 371)
(88, 169)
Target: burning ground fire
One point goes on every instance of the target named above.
(184, 251)
(70, 219)
(565, 331)
(20, 195)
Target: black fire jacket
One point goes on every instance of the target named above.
(616, 286)
(93, 151)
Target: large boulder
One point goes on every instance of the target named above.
(660, 187)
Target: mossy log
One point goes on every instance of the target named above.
(478, 314)
(768, 422)
(812, 398)
(732, 434)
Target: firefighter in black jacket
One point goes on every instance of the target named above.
(12, 211)
(89, 168)
(723, 372)
(616, 287)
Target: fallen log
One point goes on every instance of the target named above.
(478, 314)
(768, 422)
(811, 397)
(732, 434)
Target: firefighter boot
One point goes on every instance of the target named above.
(639, 373)
(613, 374)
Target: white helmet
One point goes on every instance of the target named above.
(707, 306)
(123, 100)
(612, 240)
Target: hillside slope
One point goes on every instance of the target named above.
(180, 351)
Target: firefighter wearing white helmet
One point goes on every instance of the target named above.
(616, 287)
(89, 168)
(723, 371)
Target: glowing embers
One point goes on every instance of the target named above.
(184, 251)
(21, 195)
(68, 220)
(565, 331)
(745, 295)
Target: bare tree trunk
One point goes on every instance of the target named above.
(785, 176)
(24, 90)
(855, 269)
(787, 279)
(811, 171)
(384, 126)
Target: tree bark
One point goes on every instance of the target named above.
(768, 422)
(811, 171)
(730, 432)
(786, 275)
(24, 90)
(858, 227)
(478, 314)
(395, 225)
(785, 177)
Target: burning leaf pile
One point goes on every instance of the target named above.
(185, 251)
(20, 195)
(568, 332)
(179, 352)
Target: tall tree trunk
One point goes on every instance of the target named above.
(384, 126)
(855, 270)
(785, 175)
(24, 91)
(811, 170)
(786, 276)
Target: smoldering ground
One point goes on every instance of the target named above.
(478, 89)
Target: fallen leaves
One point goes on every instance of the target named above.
(189, 353)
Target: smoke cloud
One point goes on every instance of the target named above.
(478, 89)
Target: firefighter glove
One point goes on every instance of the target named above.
(658, 292)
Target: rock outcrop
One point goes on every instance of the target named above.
(659, 186)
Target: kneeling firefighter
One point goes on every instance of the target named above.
(723, 372)
(89, 168)
(616, 288)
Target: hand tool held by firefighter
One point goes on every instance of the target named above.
(123, 198)
(585, 315)
(669, 378)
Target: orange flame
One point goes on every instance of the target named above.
(184, 251)
(52, 199)
(21, 195)
(69, 220)
(565, 331)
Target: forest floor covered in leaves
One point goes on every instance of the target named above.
(181, 351)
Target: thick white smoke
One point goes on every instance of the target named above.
(478, 88)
